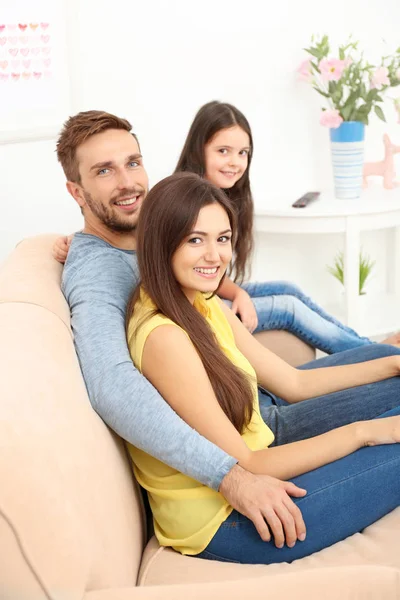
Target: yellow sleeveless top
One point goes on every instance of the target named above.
(186, 513)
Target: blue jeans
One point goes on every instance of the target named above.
(343, 497)
(282, 305)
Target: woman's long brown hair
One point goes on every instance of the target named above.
(209, 120)
(167, 217)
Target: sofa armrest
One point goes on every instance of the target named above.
(286, 345)
(368, 582)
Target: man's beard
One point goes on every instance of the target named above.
(109, 218)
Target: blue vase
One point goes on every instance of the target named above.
(347, 146)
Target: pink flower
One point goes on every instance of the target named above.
(305, 71)
(398, 74)
(380, 78)
(332, 68)
(331, 118)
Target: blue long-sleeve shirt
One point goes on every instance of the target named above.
(97, 282)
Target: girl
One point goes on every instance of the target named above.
(219, 147)
(179, 333)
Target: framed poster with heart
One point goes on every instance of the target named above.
(34, 78)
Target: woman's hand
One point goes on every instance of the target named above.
(61, 248)
(379, 431)
(243, 306)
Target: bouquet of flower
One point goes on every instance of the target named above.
(351, 85)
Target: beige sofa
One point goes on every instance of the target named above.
(71, 518)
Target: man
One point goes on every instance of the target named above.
(105, 175)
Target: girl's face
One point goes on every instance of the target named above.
(204, 255)
(227, 156)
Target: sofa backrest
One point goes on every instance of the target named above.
(70, 512)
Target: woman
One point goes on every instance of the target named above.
(207, 365)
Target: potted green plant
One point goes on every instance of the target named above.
(366, 267)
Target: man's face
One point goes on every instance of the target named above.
(113, 180)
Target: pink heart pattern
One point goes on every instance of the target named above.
(23, 68)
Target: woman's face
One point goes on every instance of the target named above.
(204, 255)
(227, 156)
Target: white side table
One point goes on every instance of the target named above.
(376, 209)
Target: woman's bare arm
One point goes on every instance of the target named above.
(295, 385)
(172, 365)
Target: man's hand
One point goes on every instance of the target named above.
(243, 306)
(266, 501)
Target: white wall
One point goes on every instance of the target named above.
(157, 62)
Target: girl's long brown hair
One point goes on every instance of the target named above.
(209, 120)
(167, 217)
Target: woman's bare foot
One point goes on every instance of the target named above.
(394, 339)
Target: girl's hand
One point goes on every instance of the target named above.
(243, 306)
(61, 247)
(379, 431)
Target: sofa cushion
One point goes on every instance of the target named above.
(379, 544)
(346, 583)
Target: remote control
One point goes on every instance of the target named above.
(305, 200)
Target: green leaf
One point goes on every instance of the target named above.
(315, 67)
(366, 266)
(346, 112)
(313, 52)
(321, 92)
(379, 113)
(372, 94)
(364, 109)
(338, 267)
(362, 113)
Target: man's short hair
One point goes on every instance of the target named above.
(77, 130)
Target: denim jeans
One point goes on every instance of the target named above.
(344, 496)
(282, 305)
